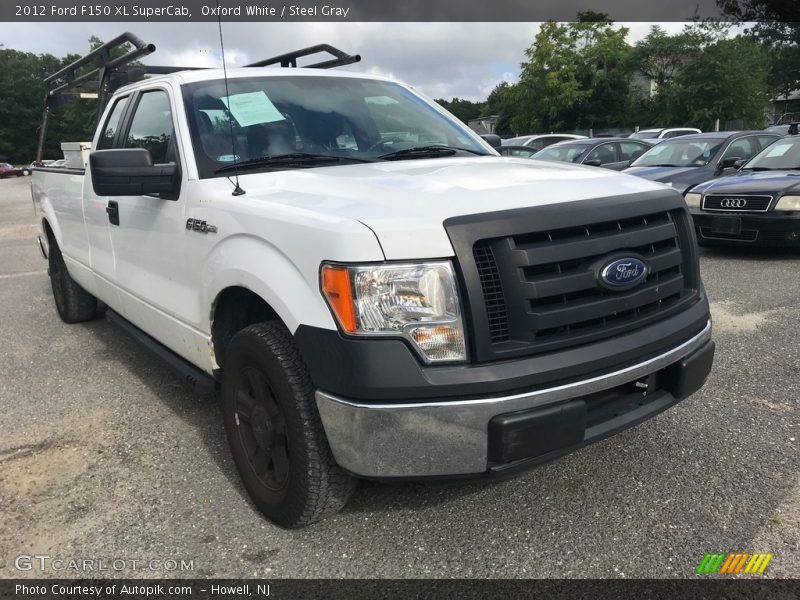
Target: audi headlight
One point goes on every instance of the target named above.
(416, 301)
(693, 200)
(788, 203)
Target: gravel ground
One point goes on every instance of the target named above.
(103, 454)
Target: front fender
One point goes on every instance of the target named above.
(253, 263)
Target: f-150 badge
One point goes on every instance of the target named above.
(201, 226)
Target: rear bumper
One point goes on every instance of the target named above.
(472, 436)
(764, 229)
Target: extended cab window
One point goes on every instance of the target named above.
(151, 127)
(112, 124)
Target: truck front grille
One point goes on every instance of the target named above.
(748, 203)
(540, 289)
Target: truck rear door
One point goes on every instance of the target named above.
(95, 207)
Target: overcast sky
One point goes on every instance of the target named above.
(443, 60)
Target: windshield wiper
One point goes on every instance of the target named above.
(428, 152)
(661, 165)
(758, 169)
(293, 158)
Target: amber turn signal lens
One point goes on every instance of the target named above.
(339, 293)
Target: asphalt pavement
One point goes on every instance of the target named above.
(104, 455)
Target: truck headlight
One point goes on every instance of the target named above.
(788, 203)
(693, 200)
(416, 301)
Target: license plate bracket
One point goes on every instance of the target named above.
(730, 225)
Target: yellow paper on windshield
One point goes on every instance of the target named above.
(252, 108)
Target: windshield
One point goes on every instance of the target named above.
(644, 135)
(783, 154)
(562, 152)
(348, 118)
(680, 153)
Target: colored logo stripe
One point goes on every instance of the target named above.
(711, 563)
(758, 563)
(733, 562)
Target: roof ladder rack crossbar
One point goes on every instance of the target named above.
(104, 65)
(290, 58)
(100, 58)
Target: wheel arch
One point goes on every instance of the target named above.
(234, 308)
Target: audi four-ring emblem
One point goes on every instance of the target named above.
(733, 202)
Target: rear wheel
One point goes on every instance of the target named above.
(74, 304)
(274, 430)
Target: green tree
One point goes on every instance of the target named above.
(576, 75)
(729, 81)
(22, 102)
(606, 73)
(778, 31)
(660, 56)
(503, 103)
(463, 109)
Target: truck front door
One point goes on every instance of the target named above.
(147, 232)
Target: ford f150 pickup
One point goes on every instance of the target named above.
(375, 292)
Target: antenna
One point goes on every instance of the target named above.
(237, 190)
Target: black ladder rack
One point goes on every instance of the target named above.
(99, 73)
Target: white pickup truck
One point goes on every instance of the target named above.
(375, 292)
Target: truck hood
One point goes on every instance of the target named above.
(405, 202)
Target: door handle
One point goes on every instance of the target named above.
(112, 210)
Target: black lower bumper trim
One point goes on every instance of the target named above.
(767, 229)
(523, 440)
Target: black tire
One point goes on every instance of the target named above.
(74, 304)
(275, 432)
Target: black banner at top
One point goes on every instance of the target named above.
(359, 10)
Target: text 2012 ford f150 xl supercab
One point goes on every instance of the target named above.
(376, 292)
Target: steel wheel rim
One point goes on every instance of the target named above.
(262, 429)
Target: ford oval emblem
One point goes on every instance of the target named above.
(623, 272)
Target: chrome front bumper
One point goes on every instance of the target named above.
(444, 438)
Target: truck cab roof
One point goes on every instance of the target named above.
(197, 75)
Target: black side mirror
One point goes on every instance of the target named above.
(727, 163)
(739, 164)
(595, 162)
(131, 172)
(493, 139)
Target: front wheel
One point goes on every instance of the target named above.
(275, 432)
